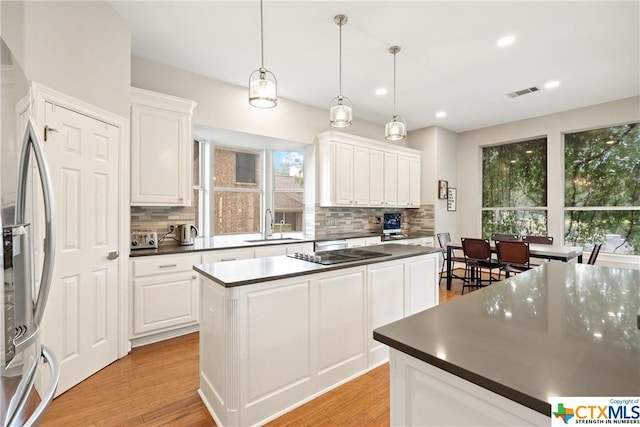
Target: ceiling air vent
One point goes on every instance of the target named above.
(522, 92)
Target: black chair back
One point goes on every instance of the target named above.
(476, 249)
(594, 254)
(543, 240)
(513, 253)
(443, 239)
(502, 237)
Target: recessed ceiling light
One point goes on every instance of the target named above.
(506, 41)
(552, 84)
(381, 91)
(441, 114)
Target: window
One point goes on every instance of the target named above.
(288, 192)
(514, 188)
(602, 189)
(237, 191)
(237, 185)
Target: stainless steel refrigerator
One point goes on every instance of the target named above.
(24, 174)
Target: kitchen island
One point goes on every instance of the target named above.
(496, 356)
(279, 331)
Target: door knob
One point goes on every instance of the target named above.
(113, 255)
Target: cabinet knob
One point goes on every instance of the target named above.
(181, 198)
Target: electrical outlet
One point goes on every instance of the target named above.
(172, 228)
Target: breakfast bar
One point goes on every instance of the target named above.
(496, 356)
(276, 332)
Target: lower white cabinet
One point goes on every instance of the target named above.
(165, 293)
(363, 241)
(268, 347)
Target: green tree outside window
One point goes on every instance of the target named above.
(602, 188)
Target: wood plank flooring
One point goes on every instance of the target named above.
(156, 385)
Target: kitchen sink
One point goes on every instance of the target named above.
(274, 239)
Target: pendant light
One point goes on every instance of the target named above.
(263, 87)
(340, 112)
(396, 129)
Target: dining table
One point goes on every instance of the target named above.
(536, 250)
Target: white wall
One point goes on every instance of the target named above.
(82, 49)
(225, 106)
(439, 148)
(553, 127)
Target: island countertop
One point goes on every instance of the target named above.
(255, 270)
(561, 329)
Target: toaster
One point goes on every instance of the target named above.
(144, 240)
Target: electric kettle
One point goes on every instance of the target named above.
(187, 234)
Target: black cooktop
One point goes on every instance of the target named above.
(338, 256)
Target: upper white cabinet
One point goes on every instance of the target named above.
(161, 149)
(360, 172)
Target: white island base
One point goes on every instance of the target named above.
(424, 395)
(269, 347)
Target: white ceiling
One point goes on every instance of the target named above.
(449, 59)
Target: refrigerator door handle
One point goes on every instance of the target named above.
(30, 139)
(47, 397)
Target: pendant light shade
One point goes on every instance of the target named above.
(340, 112)
(396, 129)
(263, 86)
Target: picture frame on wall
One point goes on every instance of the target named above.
(452, 194)
(442, 189)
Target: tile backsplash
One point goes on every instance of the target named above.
(320, 221)
(330, 221)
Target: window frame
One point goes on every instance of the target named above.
(566, 209)
(525, 209)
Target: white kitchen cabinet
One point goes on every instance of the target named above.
(403, 182)
(363, 241)
(346, 174)
(227, 255)
(268, 347)
(390, 180)
(355, 171)
(161, 149)
(165, 293)
(376, 178)
(269, 250)
(414, 182)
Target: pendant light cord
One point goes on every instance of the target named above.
(261, 39)
(394, 84)
(340, 62)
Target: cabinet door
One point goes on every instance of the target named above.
(360, 176)
(414, 182)
(403, 181)
(164, 302)
(269, 250)
(344, 175)
(160, 157)
(390, 179)
(421, 281)
(386, 296)
(227, 255)
(376, 178)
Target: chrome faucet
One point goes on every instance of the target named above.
(268, 223)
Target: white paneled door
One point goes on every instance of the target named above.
(81, 318)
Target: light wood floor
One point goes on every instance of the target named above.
(156, 385)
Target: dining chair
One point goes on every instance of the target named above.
(543, 240)
(514, 257)
(594, 253)
(503, 237)
(443, 239)
(477, 253)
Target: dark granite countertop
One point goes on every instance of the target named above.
(561, 329)
(256, 270)
(231, 242)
